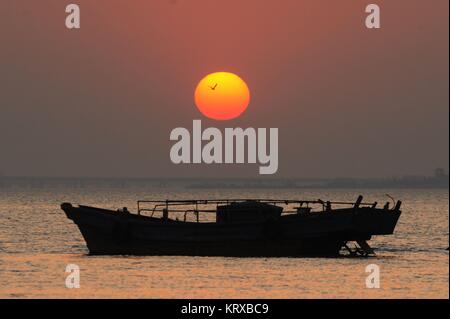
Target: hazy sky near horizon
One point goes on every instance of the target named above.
(102, 100)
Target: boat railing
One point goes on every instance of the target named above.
(197, 206)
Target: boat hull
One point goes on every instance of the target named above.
(108, 232)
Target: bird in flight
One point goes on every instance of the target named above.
(213, 87)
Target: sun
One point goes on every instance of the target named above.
(222, 96)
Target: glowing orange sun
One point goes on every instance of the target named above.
(222, 96)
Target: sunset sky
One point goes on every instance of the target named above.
(101, 101)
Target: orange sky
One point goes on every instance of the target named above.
(102, 101)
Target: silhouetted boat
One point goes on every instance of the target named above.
(242, 228)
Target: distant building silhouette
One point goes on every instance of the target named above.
(439, 173)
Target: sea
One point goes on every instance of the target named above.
(38, 242)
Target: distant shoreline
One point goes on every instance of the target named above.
(441, 182)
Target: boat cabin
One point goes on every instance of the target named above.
(247, 211)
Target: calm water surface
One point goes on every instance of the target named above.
(37, 241)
